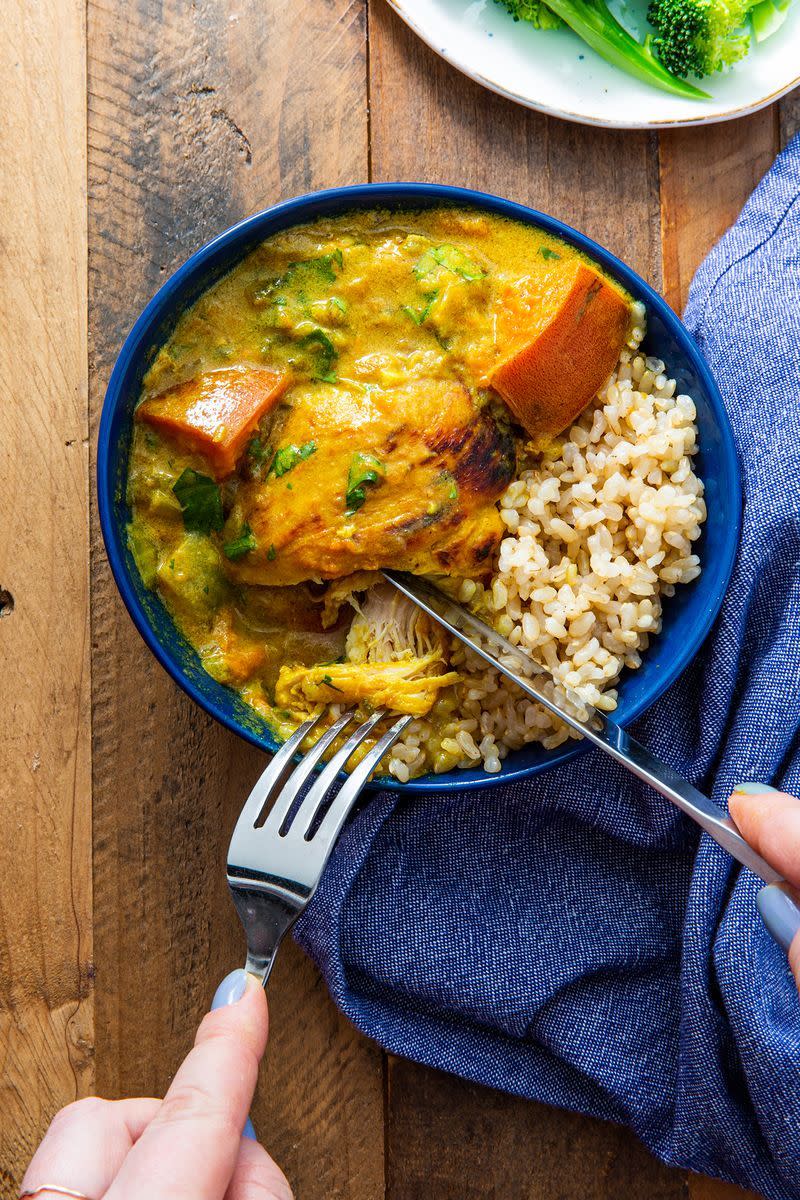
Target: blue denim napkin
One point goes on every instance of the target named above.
(571, 939)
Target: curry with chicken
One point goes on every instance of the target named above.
(357, 393)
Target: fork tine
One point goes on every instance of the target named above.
(305, 815)
(274, 773)
(294, 784)
(337, 814)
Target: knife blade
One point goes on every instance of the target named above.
(596, 727)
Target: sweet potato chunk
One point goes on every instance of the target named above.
(215, 413)
(550, 377)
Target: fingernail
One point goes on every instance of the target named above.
(230, 990)
(753, 789)
(779, 913)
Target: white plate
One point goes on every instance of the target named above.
(557, 73)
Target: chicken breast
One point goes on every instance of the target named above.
(364, 477)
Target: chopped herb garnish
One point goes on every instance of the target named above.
(326, 679)
(365, 471)
(271, 554)
(419, 315)
(452, 259)
(241, 545)
(289, 456)
(298, 276)
(200, 500)
(548, 254)
(310, 269)
(324, 354)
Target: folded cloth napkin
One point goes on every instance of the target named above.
(570, 938)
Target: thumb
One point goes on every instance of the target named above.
(770, 822)
(189, 1149)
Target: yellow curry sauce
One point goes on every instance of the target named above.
(391, 356)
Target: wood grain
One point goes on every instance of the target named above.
(703, 1188)
(46, 1035)
(707, 173)
(199, 114)
(789, 109)
(456, 1141)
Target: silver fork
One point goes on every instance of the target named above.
(275, 863)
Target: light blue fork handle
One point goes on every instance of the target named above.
(229, 991)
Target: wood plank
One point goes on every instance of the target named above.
(198, 115)
(703, 1188)
(707, 173)
(46, 1008)
(456, 1141)
(789, 109)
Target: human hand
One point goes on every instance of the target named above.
(770, 822)
(188, 1146)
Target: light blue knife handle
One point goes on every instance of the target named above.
(228, 992)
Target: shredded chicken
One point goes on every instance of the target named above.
(343, 591)
(387, 627)
(403, 686)
(395, 659)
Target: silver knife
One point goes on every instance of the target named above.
(599, 729)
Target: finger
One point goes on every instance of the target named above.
(794, 959)
(770, 822)
(87, 1143)
(256, 1176)
(190, 1148)
(778, 909)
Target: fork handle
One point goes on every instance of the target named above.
(228, 992)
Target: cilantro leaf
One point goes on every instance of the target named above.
(287, 458)
(452, 259)
(420, 315)
(241, 545)
(298, 278)
(365, 471)
(200, 500)
(323, 354)
(548, 254)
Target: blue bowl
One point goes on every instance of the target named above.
(688, 616)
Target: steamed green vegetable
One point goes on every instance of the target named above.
(691, 37)
(593, 21)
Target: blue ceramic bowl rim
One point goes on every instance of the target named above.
(241, 237)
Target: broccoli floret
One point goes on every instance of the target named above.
(699, 37)
(593, 21)
(534, 12)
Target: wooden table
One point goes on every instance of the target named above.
(119, 794)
